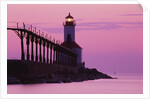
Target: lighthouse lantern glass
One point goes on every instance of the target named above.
(69, 19)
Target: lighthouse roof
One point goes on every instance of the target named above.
(69, 16)
(72, 44)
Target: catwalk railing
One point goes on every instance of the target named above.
(56, 54)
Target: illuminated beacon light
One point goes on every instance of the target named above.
(69, 19)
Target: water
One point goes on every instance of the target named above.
(132, 84)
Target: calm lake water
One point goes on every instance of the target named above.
(131, 84)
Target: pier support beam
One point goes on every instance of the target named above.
(57, 56)
(28, 42)
(51, 54)
(36, 42)
(57, 53)
(47, 52)
(43, 51)
(32, 55)
(22, 47)
(40, 50)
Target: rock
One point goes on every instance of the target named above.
(63, 77)
(13, 80)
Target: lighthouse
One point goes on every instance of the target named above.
(69, 38)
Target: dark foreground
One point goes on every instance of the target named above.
(28, 72)
(83, 75)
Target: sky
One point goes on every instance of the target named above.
(111, 35)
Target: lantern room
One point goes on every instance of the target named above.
(69, 20)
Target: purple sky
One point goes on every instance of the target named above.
(111, 35)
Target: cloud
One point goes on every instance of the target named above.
(54, 30)
(46, 27)
(91, 26)
(131, 14)
(51, 30)
(79, 19)
(108, 25)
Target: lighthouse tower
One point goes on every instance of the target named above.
(69, 28)
(69, 38)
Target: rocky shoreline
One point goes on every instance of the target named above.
(61, 77)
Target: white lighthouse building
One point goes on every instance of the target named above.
(69, 38)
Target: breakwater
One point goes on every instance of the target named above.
(26, 72)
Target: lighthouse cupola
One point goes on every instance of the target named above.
(69, 20)
(69, 27)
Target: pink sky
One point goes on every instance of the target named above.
(111, 35)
